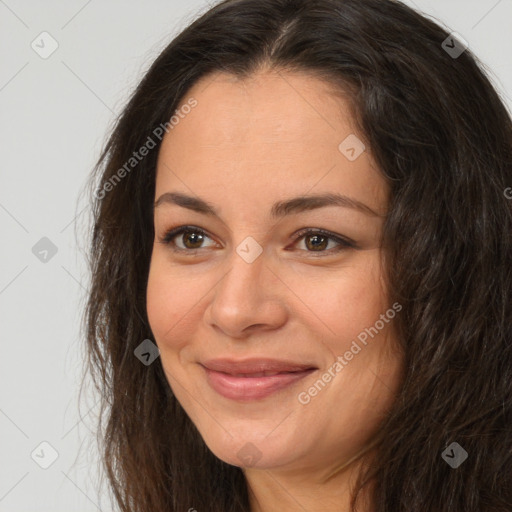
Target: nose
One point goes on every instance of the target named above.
(247, 299)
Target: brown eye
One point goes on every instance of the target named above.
(191, 238)
(317, 241)
(194, 239)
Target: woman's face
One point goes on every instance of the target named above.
(254, 287)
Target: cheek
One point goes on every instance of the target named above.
(348, 302)
(170, 305)
(344, 302)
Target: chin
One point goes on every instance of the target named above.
(251, 450)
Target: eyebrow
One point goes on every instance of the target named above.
(279, 209)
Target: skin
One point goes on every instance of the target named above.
(246, 145)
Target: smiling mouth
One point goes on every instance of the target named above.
(253, 380)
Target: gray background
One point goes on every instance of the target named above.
(55, 114)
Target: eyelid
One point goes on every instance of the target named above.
(343, 242)
(174, 232)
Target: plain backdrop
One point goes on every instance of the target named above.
(55, 114)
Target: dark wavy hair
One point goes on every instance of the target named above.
(442, 138)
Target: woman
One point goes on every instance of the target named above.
(301, 268)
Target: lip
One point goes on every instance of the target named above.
(254, 365)
(243, 380)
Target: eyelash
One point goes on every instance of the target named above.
(173, 233)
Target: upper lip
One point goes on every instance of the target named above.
(248, 366)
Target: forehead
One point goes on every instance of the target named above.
(277, 131)
(267, 107)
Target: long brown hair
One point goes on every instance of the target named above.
(442, 137)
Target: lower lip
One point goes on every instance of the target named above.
(252, 388)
